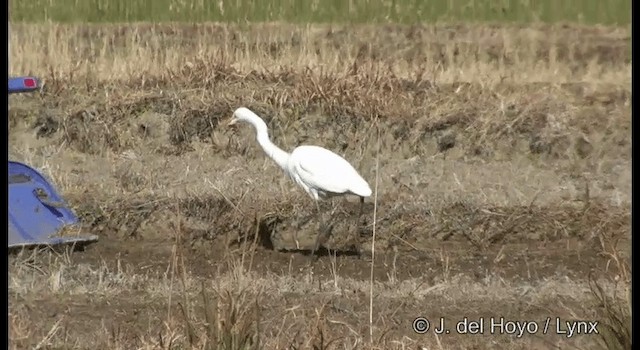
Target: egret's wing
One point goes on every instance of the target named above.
(324, 170)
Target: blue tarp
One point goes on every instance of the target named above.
(37, 213)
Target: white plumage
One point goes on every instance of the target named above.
(320, 172)
(323, 173)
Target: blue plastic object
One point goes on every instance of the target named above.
(37, 213)
(23, 84)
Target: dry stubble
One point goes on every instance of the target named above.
(490, 138)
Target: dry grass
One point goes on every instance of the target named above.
(504, 181)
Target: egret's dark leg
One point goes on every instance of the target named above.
(300, 222)
(295, 233)
(361, 208)
(316, 244)
(323, 232)
(357, 233)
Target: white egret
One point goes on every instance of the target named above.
(320, 172)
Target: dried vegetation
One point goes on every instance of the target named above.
(504, 182)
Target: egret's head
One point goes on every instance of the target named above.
(244, 114)
(232, 121)
(241, 114)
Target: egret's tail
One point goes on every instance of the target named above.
(361, 188)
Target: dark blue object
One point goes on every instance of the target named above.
(36, 211)
(22, 84)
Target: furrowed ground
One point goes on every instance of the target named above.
(500, 156)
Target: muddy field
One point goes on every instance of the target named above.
(500, 159)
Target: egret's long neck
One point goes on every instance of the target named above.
(274, 152)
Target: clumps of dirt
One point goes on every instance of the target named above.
(556, 146)
(99, 125)
(446, 141)
(484, 227)
(21, 115)
(131, 176)
(561, 146)
(194, 219)
(111, 216)
(480, 227)
(32, 116)
(219, 215)
(266, 228)
(583, 147)
(84, 132)
(140, 122)
(460, 122)
(152, 131)
(153, 126)
(341, 110)
(606, 98)
(198, 124)
(46, 125)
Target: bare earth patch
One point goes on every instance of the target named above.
(503, 184)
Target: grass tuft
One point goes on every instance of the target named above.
(615, 309)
